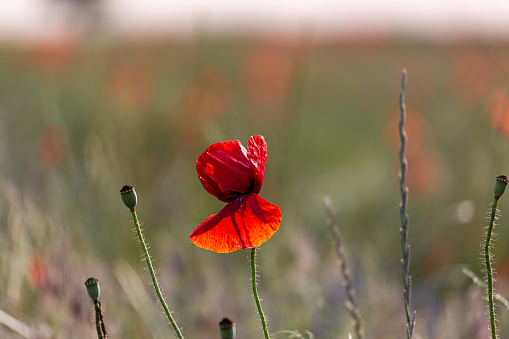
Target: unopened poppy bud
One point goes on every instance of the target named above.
(93, 289)
(129, 197)
(500, 185)
(227, 329)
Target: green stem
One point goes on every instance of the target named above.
(255, 292)
(487, 256)
(153, 275)
(98, 319)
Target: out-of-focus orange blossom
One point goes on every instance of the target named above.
(131, 85)
(37, 271)
(470, 79)
(51, 147)
(498, 112)
(424, 172)
(54, 53)
(209, 93)
(266, 75)
(207, 96)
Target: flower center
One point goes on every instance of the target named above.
(235, 194)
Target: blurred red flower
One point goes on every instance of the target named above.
(471, 78)
(37, 270)
(498, 111)
(209, 93)
(50, 147)
(131, 85)
(266, 76)
(56, 51)
(235, 175)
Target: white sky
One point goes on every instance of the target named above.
(31, 19)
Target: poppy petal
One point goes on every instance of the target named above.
(246, 222)
(257, 154)
(225, 171)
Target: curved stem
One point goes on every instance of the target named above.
(153, 275)
(255, 292)
(489, 272)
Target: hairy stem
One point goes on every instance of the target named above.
(153, 275)
(255, 292)
(98, 321)
(489, 270)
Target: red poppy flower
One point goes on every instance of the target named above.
(235, 175)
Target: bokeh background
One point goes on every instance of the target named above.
(89, 103)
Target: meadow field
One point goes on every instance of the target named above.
(80, 119)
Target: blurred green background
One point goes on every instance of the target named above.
(80, 119)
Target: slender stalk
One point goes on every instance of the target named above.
(16, 325)
(255, 292)
(489, 271)
(98, 319)
(351, 304)
(153, 275)
(405, 262)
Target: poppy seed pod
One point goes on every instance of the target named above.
(500, 185)
(93, 288)
(227, 329)
(129, 197)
